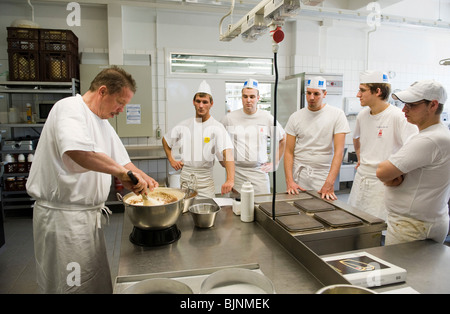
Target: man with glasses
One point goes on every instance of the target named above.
(418, 175)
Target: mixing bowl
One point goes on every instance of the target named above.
(344, 289)
(159, 286)
(204, 214)
(155, 217)
(237, 281)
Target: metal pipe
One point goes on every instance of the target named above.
(32, 10)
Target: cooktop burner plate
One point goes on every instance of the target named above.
(281, 208)
(313, 205)
(338, 218)
(299, 222)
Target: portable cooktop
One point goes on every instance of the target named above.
(160, 237)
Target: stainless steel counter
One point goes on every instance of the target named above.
(230, 242)
(427, 264)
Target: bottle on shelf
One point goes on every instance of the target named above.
(29, 113)
(13, 117)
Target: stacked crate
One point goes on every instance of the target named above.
(52, 52)
(23, 54)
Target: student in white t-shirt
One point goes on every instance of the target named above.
(418, 175)
(250, 129)
(381, 129)
(315, 143)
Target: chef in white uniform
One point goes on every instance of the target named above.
(70, 179)
(381, 129)
(417, 176)
(201, 139)
(315, 143)
(250, 129)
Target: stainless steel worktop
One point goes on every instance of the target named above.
(281, 256)
(427, 264)
(230, 242)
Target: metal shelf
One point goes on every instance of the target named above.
(19, 87)
(16, 200)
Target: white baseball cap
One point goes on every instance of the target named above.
(251, 83)
(204, 88)
(317, 82)
(427, 89)
(373, 77)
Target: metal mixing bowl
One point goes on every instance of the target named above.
(237, 281)
(344, 289)
(204, 214)
(159, 286)
(155, 217)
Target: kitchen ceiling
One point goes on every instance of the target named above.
(317, 9)
(225, 4)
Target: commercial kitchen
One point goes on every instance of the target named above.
(170, 47)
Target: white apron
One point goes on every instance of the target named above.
(205, 181)
(308, 178)
(259, 179)
(367, 193)
(403, 229)
(70, 249)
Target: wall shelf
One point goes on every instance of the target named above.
(13, 201)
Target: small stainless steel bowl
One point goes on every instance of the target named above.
(204, 214)
(344, 289)
(159, 286)
(189, 199)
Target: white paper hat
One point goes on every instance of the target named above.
(204, 88)
(427, 89)
(373, 77)
(251, 83)
(317, 82)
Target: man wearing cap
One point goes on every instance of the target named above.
(417, 176)
(250, 129)
(381, 129)
(201, 139)
(315, 143)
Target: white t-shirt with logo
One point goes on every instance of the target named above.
(199, 142)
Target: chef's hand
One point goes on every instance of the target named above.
(138, 188)
(293, 188)
(227, 186)
(327, 192)
(267, 167)
(151, 183)
(177, 165)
